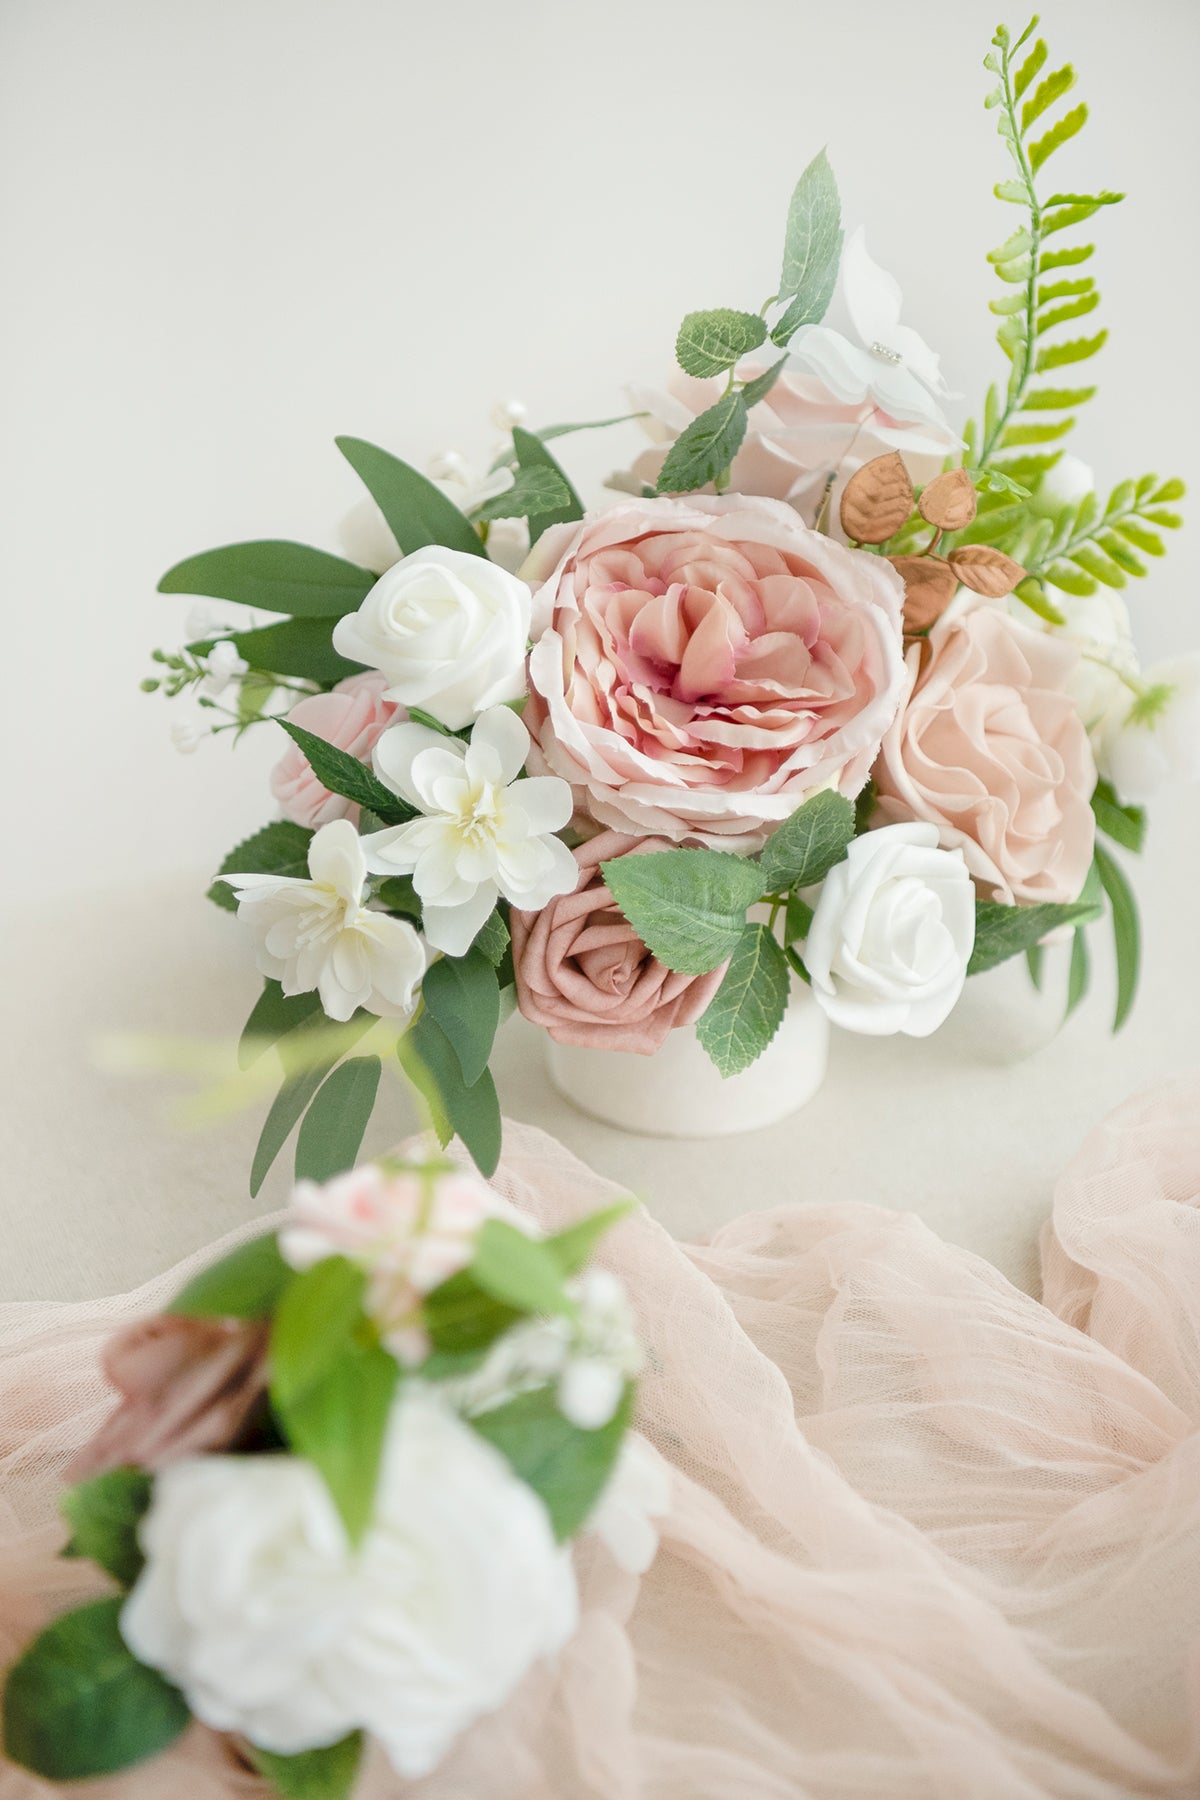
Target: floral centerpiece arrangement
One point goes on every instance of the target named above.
(338, 1493)
(822, 693)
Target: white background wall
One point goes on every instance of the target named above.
(233, 228)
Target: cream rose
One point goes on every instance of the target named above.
(254, 1604)
(702, 665)
(447, 629)
(892, 934)
(991, 750)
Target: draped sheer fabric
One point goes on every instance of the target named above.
(929, 1538)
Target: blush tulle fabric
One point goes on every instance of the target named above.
(929, 1539)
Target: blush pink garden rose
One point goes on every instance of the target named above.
(585, 975)
(701, 666)
(352, 717)
(990, 748)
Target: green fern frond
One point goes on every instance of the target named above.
(1086, 546)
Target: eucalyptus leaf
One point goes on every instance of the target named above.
(1127, 935)
(315, 1320)
(687, 906)
(299, 647)
(463, 995)
(275, 576)
(519, 1271)
(339, 1422)
(274, 1015)
(568, 1468)
(1126, 825)
(332, 1130)
(246, 1284)
(469, 1111)
(417, 512)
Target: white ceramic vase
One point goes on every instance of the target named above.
(678, 1093)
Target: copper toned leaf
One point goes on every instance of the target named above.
(877, 500)
(929, 587)
(986, 571)
(949, 501)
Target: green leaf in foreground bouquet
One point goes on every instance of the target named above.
(747, 1009)
(78, 1703)
(246, 1284)
(1127, 934)
(463, 995)
(316, 1319)
(344, 774)
(805, 847)
(417, 512)
(296, 647)
(339, 1422)
(332, 1130)
(278, 849)
(300, 1083)
(533, 455)
(711, 342)
(1080, 970)
(103, 1515)
(274, 1015)
(1004, 931)
(275, 575)
(687, 906)
(704, 450)
(1125, 825)
(518, 1270)
(572, 1246)
(568, 1468)
(327, 1774)
(533, 492)
(458, 1109)
(812, 250)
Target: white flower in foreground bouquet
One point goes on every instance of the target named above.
(254, 1604)
(1149, 740)
(892, 933)
(448, 629)
(484, 834)
(316, 933)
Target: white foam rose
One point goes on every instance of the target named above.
(449, 631)
(1146, 742)
(892, 933)
(254, 1604)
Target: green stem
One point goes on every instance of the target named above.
(1018, 384)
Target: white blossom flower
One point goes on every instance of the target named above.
(892, 933)
(254, 1604)
(1149, 740)
(637, 1493)
(1065, 483)
(448, 629)
(187, 736)
(221, 666)
(483, 833)
(316, 933)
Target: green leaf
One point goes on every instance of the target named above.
(275, 575)
(1075, 350)
(78, 1703)
(103, 1515)
(327, 1774)
(704, 449)
(797, 919)
(297, 647)
(1054, 399)
(316, 1320)
(462, 1322)
(711, 342)
(534, 490)
(1059, 134)
(572, 1247)
(532, 454)
(492, 939)
(1029, 68)
(246, 1284)
(1079, 973)
(295, 1094)
(339, 1422)
(1046, 93)
(417, 512)
(274, 1015)
(760, 387)
(471, 1112)
(1127, 935)
(1004, 931)
(567, 1467)
(1018, 435)
(518, 1271)
(687, 906)
(1071, 309)
(397, 893)
(812, 249)
(1065, 259)
(748, 1007)
(463, 995)
(344, 774)
(332, 1130)
(1034, 959)
(278, 849)
(805, 847)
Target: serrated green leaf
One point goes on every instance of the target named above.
(1127, 937)
(532, 454)
(1062, 290)
(1061, 218)
(710, 342)
(566, 1467)
(1055, 356)
(1055, 399)
(1080, 970)
(78, 1703)
(812, 248)
(1004, 931)
(344, 774)
(339, 1422)
(1020, 243)
(1070, 579)
(469, 1112)
(1046, 93)
(278, 849)
(1018, 435)
(1146, 541)
(463, 995)
(104, 1515)
(747, 1009)
(416, 511)
(760, 387)
(325, 1774)
(1104, 198)
(1007, 304)
(1014, 272)
(704, 450)
(317, 1317)
(332, 1130)
(802, 850)
(534, 490)
(687, 906)
(275, 575)
(1029, 68)
(1068, 258)
(1016, 192)
(246, 1284)
(1072, 309)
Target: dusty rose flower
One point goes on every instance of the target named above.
(991, 750)
(701, 665)
(352, 717)
(188, 1386)
(585, 975)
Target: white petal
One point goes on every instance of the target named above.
(336, 860)
(453, 928)
(873, 298)
(398, 749)
(503, 739)
(545, 801)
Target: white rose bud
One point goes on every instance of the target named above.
(892, 933)
(1144, 744)
(449, 631)
(1066, 484)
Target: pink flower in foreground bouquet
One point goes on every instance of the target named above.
(353, 717)
(991, 749)
(701, 665)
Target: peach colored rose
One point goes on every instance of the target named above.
(585, 975)
(352, 717)
(701, 665)
(187, 1386)
(990, 748)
